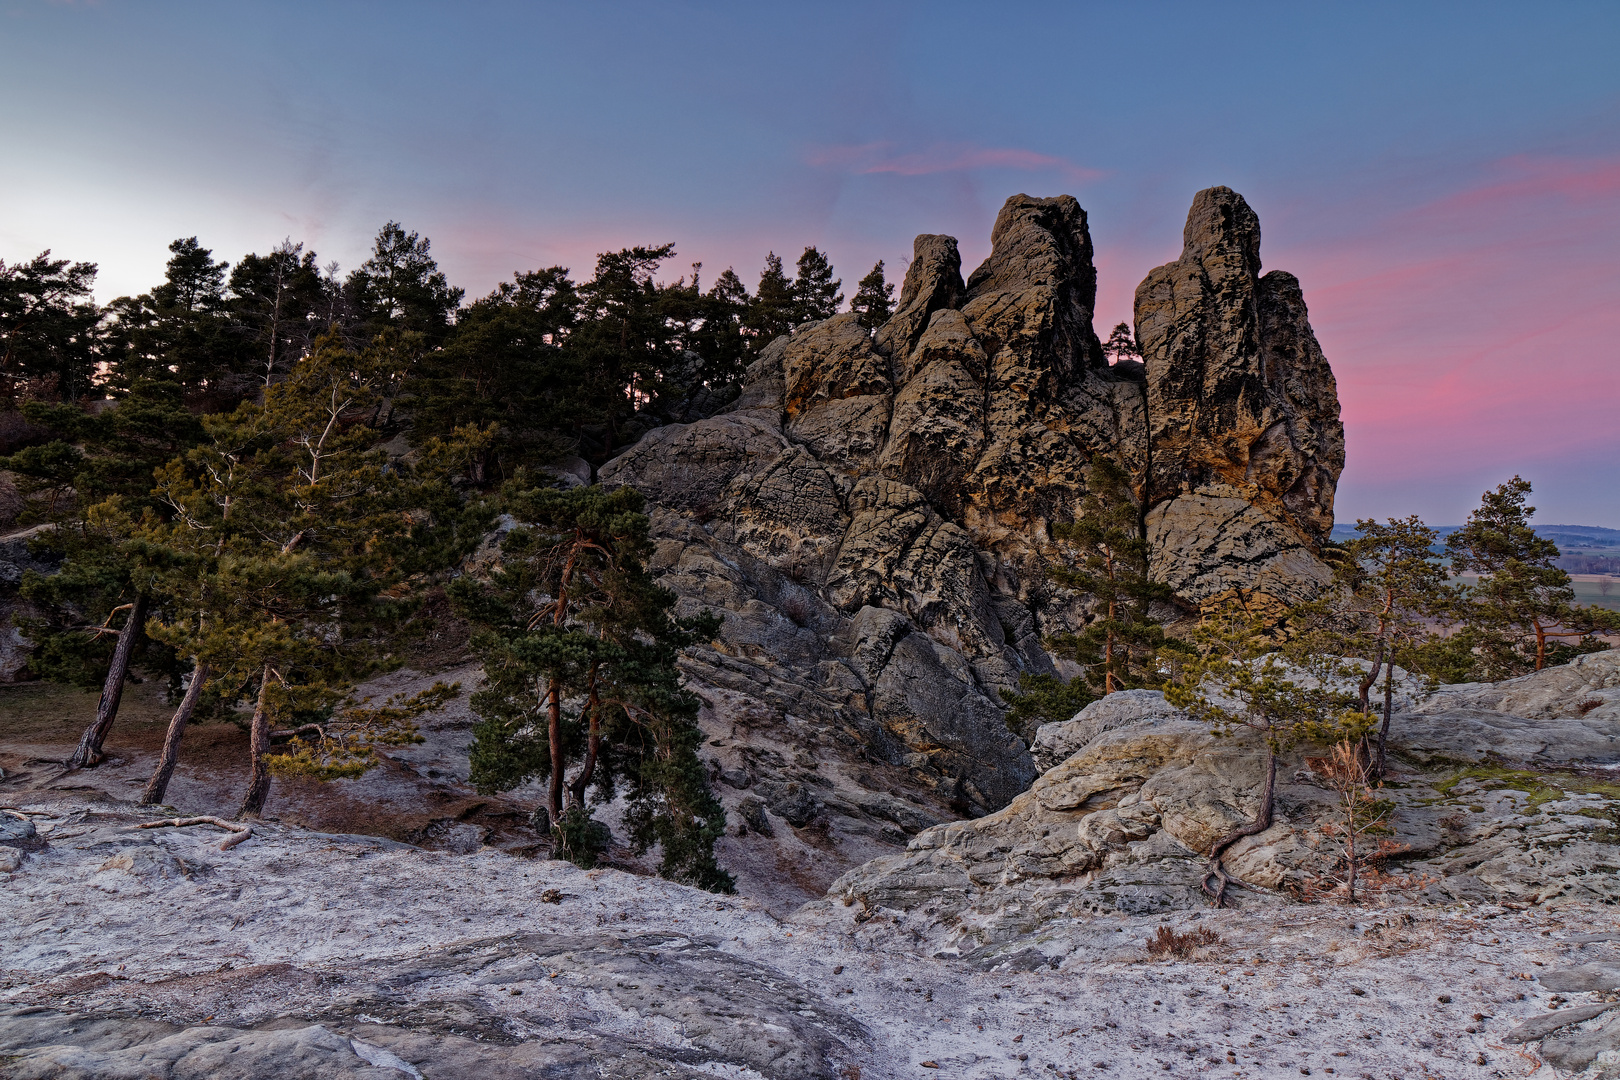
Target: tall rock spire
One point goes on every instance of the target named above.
(1243, 411)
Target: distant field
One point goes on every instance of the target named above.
(1588, 590)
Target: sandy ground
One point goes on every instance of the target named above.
(104, 917)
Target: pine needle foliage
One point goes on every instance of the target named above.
(579, 647)
(1521, 614)
(1119, 648)
(874, 298)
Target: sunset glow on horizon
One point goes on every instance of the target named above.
(1445, 183)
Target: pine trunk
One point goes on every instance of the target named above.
(1389, 695)
(558, 759)
(259, 787)
(89, 751)
(158, 786)
(593, 744)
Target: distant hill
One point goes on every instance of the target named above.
(1583, 549)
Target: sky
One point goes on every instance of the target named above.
(1444, 179)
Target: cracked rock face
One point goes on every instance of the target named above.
(1488, 805)
(1246, 439)
(871, 516)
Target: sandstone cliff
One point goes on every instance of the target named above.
(872, 515)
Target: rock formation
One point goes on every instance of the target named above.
(871, 515)
(1243, 413)
(1135, 791)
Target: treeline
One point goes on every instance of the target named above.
(561, 365)
(254, 477)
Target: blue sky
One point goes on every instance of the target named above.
(1444, 179)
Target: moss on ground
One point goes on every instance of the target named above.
(1541, 787)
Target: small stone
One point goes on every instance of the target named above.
(1444, 999)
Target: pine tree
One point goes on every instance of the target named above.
(1391, 585)
(1121, 345)
(772, 313)
(815, 292)
(278, 300)
(723, 340)
(587, 673)
(184, 331)
(621, 347)
(1043, 699)
(874, 299)
(506, 365)
(97, 459)
(1119, 647)
(1522, 608)
(50, 329)
(401, 286)
(285, 528)
(1238, 677)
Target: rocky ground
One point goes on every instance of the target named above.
(152, 953)
(1011, 945)
(799, 815)
(1496, 792)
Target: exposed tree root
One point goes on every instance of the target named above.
(1262, 821)
(238, 833)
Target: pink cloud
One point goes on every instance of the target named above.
(1533, 178)
(1476, 333)
(878, 157)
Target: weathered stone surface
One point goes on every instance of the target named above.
(1051, 400)
(1575, 1051)
(1056, 743)
(1538, 1027)
(872, 514)
(1139, 791)
(837, 393)
(1213, 540)
(1587, 688)
(933, 282)
(1242, 406)
(1583, 978)
(938, 427)
(306, 954)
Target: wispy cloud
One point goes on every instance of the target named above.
(1522, 178)
(881, 157)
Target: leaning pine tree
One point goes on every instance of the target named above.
(277, 554)
(579, 649)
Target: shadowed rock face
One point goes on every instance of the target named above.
(1243, 412)
(872, 514)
